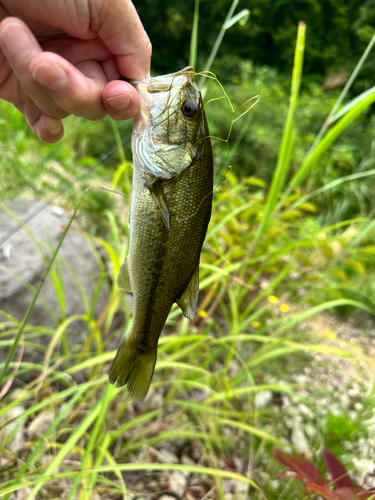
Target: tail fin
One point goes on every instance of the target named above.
(133, 367)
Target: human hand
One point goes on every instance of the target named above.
(62, 57)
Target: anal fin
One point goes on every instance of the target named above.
(189, 299)
(157, 193)
(123, 278)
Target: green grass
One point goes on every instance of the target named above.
(269, 269)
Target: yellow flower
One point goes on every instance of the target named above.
(202, 314)
(284, 308)
(256, 324)
(330, 334)
(273, 299)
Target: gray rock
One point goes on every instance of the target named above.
(299, 439)
(41, 423)
(21, 494)
(263, 399)
(12, 430)
(24, 253)
(177, 482)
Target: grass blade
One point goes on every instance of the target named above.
(68, 446)
(194, 37)
(314, 156)
(218, 41)
(287, 139)
(38, 480)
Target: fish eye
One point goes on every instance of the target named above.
(188, 108)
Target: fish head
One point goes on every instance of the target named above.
(170, 125)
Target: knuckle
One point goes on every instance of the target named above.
(90, 112)
(82, 101)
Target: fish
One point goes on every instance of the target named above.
(170, 209)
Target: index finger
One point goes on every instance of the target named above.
(118, 25)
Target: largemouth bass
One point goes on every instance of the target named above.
(170, 211)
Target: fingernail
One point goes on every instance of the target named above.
(16, 41)
(119, 101)
(55, 128)
(51, 76)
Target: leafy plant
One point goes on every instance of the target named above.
(340, 487)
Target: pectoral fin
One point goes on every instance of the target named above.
(123, 279)
(189, 299)
(157, 193)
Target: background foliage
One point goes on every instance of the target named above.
(287, 276)
(338, 33)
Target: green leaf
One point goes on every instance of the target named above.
(309, 207)
(351, 105)
(357, 266)
(368, 249)
(339, 273)
(255, 181)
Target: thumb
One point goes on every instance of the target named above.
(117, 23)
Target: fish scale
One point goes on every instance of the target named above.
(162, 264)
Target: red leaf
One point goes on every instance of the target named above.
(349, 493)
(323, 491)
(303, 467)
(366, 494)
(338, 472)
(229, 463)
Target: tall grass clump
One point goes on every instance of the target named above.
(227, 384)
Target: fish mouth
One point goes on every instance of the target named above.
(153, 85)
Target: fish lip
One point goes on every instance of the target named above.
(164, 83)
(145, 87)
(187, 70)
